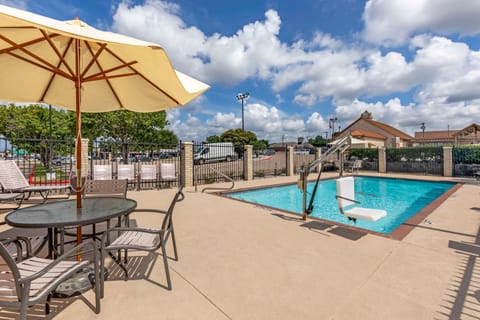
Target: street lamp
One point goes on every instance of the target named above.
(422, 126)
(332, 124)
(242, 97)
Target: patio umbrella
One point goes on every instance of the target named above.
(75, 66)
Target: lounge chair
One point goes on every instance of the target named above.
(167, 172)
(30, 281)
(13, 180)
(148, 175)
(134, 238)
(357, 165)
(102, 172)
(346, 200)
(125, 171)
(14, 197)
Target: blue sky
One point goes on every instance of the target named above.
(306, 61)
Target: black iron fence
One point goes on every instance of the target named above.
(369, 157)
(423, 160)
(466, 160)
(269, 163)
(211, 160)
(45, 161)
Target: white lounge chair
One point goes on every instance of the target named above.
(357, 165)
(13, 180)
(346, 198)
(102, 172)
(167, 172)
(125, 171)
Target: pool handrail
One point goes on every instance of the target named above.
(220, 188)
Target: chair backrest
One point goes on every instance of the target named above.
(357, 164)
(6, 282)
(11, 178)
(125, 171)
(345, 189)
(167, 171)
(102, 172)
(167, 220)
(148, 172)
(105, 188)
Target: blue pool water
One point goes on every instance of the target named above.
(400, 198)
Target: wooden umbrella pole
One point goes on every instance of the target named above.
(78, 129)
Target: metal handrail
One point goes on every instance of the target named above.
(220, 188)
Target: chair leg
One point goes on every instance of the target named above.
(174, 243)
(98, 280)
(47, 303)
(165, 263)
(102, 267)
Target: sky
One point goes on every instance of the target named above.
(305, 62)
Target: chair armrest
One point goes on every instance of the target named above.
(340, 197)
(70, 253)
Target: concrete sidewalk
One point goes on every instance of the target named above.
(240, 261)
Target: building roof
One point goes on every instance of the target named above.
(367, 134)
(366, 116)
(435, 135)
(468, 130)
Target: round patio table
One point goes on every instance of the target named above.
(64, 213)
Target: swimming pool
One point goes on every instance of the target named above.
(401, 198)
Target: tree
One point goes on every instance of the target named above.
(238, 137)
(318, 141)
(213, 139)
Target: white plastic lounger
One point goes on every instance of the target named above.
(13, 180)
(346, 197)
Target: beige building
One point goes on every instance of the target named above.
(467, 135)
(375, 134)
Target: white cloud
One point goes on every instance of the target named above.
(391, 22)
(20, 4)
(443, 73)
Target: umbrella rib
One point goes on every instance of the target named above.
(94, 56)
(58, 66)
(53, 69)
(94, 60)
(45, 65)
(26, 44)
(60, 56)
(145, 78)
(104, 73)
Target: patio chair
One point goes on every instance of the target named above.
(95, 189)
(167, 172)
(346, 198)
(14, 197)
(125, 171)
(12, 180)
(28, 282)
(357, 165)
(21, 247)
(143, 239)
(102, 172)
(148, 174)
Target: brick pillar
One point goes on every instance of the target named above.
(382, 160)
(290, 171)
(248, 162)
(447, 161)
(317, 156)
(186, 165)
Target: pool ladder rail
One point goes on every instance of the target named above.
(220, 188)
(341, 146)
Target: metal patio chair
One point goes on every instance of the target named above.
(143, 239)
(12, 180)
(30, 281)
(102, 172)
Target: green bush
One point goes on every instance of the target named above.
(466, 154)
(364, 153)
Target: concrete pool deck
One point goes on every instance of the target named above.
(240, 261)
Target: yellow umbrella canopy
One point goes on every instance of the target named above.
(73, 65)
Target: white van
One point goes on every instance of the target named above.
(211, 152)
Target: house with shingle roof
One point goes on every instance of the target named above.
(376, 134)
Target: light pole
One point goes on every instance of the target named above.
(242, 97)
(332, 124)
(422, 126)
